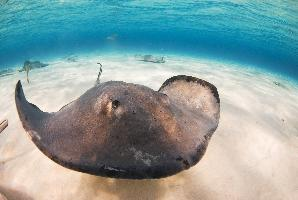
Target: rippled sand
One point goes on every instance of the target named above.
(252, 155)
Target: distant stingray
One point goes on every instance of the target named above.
(150, 58)
(125, 130)
(31, 65)
(72, 58)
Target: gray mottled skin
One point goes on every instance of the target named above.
(125, 130)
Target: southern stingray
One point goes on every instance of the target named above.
(125, 130)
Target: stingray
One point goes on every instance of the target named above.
(150, 58)
(125, 130)
(28, 65)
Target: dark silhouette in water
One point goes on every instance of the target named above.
(150, 58)
(3, 125)
(125, 130)
(28, 65)
(279, 84)
(72, 58)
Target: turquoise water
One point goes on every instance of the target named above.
(262, 34)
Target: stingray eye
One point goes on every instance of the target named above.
(115, 104)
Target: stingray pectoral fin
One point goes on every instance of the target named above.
(32, 118)
(194, 94)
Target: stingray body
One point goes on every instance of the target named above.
(28, 65)
(125, 130)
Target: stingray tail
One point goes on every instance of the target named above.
(99, 74)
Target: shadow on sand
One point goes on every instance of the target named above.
(179, 186)
(121, 188)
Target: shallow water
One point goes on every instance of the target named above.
(252, 155)
(258, 33)
(247, 49)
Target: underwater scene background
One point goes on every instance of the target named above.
(247, 49)
(262, 34)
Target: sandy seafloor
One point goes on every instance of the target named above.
(252, 155)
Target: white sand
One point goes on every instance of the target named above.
(252, 155)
